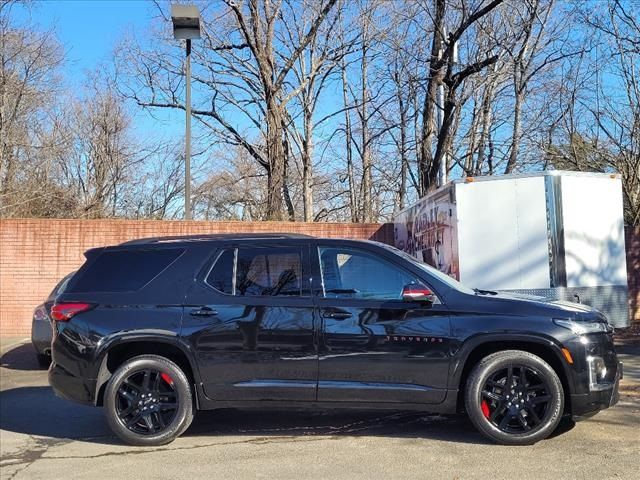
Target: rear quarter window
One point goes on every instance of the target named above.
(124, 270)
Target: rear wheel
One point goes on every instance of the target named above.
(148, 401)
(514, 398)
(43, 359)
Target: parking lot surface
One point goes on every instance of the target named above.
(43, 436)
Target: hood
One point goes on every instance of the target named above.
(536, 305)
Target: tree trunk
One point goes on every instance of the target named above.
(444, 137)
(275, 155)
(471, 142)
(367, 210)
(285, 180)
(517, 131)
(403, 150)
(307, 165)
(485, 132)
(353, 202)
(428, 180)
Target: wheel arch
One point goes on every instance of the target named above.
(117, 351)
(479, 347)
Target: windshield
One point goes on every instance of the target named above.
(443, 277)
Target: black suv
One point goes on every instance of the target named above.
(155, 329)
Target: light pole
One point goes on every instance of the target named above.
(186, 26)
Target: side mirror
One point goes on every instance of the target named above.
(414, 292)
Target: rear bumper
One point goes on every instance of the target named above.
(70, 387)
(585, 405)
(41, 334)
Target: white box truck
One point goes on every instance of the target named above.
(555, 234)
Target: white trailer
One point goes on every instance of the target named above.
(556, 234)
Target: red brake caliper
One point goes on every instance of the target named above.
(166, 378)
(485, 408)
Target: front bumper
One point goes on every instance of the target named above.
(585, 405)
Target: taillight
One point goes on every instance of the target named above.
(62, 312)
(40, 313)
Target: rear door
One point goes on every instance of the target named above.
(374, 346)
(250, 319)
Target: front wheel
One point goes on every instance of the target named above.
(514, 398)
(148, 401)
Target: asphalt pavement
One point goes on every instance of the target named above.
(42, 436)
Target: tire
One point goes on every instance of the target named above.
(525, 414)
(166, 401)
(43, 360)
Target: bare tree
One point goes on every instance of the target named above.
(322, 110)
(29, 81)
(610, 140)
(313, 71)
(244, 68)
(542, 42)
(443, 70)
(354, 205)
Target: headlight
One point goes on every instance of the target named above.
(597, 374)
(580, 328)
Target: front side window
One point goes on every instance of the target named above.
(258, 272)
(348, 273)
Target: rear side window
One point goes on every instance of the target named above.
(221, 275)
(258, 272)
(125, 270)
(261, 272)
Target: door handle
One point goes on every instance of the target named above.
(337, 314)
(203, 312)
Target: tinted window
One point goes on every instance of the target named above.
(125, 270)
(268, 271)
(221, 275)
(443, 277)
(61, 286)
(350, 273)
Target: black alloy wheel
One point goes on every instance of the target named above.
(148, 401)
(514, 397)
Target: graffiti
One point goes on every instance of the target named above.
(428, 231)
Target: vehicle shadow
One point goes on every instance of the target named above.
(22, 357)
(37, 411)
(396, 424)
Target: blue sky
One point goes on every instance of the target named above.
(88, 30)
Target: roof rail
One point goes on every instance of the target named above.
(215, 236)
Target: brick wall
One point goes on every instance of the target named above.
(632, 243)
(35, 254)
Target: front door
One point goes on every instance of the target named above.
(374, 346)
(250, 319)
